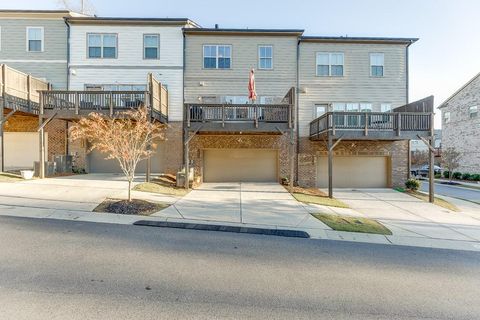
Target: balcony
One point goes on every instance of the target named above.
(404, 123)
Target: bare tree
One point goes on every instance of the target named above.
(81, 6)
(419, 157)
(450, 160)
(129, 138)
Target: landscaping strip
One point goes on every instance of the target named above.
(135, 207)
(234, 229)
(9, 177)
(352, 224)
(161, 189)
(315, 196)
(424, 196)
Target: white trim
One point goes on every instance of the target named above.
(217, 46)
(34, 60)
(377, 65)
(42, 49)
(329, 63)
(260, 56)
(157, 47)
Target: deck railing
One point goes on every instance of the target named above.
(225, 113)
(371, 121)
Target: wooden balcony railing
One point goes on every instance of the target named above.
(389, 124)
(230, 113)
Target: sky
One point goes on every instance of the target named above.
(445, 58)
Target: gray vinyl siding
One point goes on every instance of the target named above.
(356, 84)
(234, 81)
(50, 64)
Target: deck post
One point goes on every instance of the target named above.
(330, 166)
(41, 135)
(187, 160)
(431, 162)
(187, 110)
(2, 108)
(110, 104)
(223, 116)
(77, 103)
(399, 123)
(148, 172)
(366, 124)
(256, 116)
(29, 92)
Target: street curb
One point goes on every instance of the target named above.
(223, 228)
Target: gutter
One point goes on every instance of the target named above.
(407, 66)
(68, 53)
(297, 112)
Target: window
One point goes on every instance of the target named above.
(102, 45)
(217, 56)
(385, 107)
(151, 45)
(446, 117)
(329, 64)
(319, 110)
(34, 39)
(376, 64)
(473, 111)
(265, 54)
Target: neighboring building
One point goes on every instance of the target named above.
(356, 75)
(420, 146)
(461, 125)
(35, 42)
(217, 66)
(117, 54)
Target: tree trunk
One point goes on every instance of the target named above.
(129, 190)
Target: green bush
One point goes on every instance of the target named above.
(466, 176)
(446, 174)
(457, 175)
(475, 177)
(438, 175)
(412, 184)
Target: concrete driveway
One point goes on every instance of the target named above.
(408, 216)
(248, 203)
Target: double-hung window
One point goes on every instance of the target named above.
(376, 64)
(102, 45)
(265, 56)
(319, 110)
(446, 117)
(34, 39)
(330, 64)
(473, 111)
(151, 46)
(217, 56)
(385, 107)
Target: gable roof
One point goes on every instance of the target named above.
(458, 91)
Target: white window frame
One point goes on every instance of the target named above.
(473, 112)
(386, 107)
(330, 54)
(446, 117)
(145, 47)
(372, 54)
(102, 34)
(260, 56)
(316, 106)
(217, 46)
(42, 39)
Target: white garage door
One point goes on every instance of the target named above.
(354, 172)
(240, 165)
(22, 149)
(98, 164)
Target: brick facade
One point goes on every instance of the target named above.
(173, 150)
(57, 132)
(310, 150)
(277, 142)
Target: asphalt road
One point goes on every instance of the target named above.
(51, 269)
(453, 191)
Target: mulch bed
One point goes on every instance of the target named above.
(134, 207)
(308, 191)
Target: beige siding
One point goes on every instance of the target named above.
(356, 85)
(234, 81)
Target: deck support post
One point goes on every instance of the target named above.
(187, 160)
(41, 136)
(330, 166)
(431, 162)
(2, 120)
(148, 172)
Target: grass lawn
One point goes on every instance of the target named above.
(438, 201)
(352, 224)
(8, 177)
(315, 196)
(157, 188)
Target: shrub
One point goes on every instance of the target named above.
(475, 177)
(438, 175)
(457, 175)
(412, 184)
(466, 176)
(446, 174)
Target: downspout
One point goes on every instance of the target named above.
(297, 102)
(407, 71)
(68, 54)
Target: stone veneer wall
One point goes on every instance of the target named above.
(57, 132)
(309, 150)
(236, 141)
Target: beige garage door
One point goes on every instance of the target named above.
(354, 172)
(242, 165)
(98, 164)
(22, 149)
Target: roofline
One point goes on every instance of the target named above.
(115, 20)
(223, 31)
(407, 41)
(458, 91)
(60, 13)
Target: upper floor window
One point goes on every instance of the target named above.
(102, 45)
(330, 64)
(446, 117)
(265, 55)
(151, 45)
(319, 109)
(473, 111)
(385, 107)
(34, 39)
(217, 56)
(376, 64)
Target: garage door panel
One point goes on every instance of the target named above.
(354, 172)
(240, 165)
